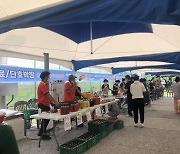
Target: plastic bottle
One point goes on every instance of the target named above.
(39, 111)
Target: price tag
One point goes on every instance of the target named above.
(98, 111)
(67, 123)
(106, 109)
(88, 116)
(79, 119)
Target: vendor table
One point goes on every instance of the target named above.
(56, 117)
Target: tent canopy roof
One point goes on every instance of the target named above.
(77, 11)
(123, 69)
(13, 8)
(116, 31)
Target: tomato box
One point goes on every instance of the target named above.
(97, 125)
(91, 138)
(75, 146)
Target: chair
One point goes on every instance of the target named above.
(32, 103)
(21, 106)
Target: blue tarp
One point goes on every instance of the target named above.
(123, 69)
(83, 11)
(163, 73)
(80, 32)
(108, 13)
(172, 57)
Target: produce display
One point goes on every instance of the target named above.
(74, 107)
(87, 136)
(96, 100)
(97, 130)
(83, 103)
(75, 146)
(65, 110)
(98, 121)
(91, 138)
(118, 124)
(97, 125)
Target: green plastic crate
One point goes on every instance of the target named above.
(92, 141)
(75, 150)
(103, 134)
(97, 128)
(119, 125)
(110, 127)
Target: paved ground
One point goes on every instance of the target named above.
(161, 135)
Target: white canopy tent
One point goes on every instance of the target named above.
(31, 43)
(14, 8)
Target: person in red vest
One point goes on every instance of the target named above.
(70, 89)
(44, 101)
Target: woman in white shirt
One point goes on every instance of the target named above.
(176, 91)
(137, 89)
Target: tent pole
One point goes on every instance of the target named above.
(91, 37)
(74, 72)
(46, 61)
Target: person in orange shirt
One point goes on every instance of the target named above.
(44, 101)
(70, 89)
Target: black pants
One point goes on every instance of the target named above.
(44, 122)
(138, 104)
(130, 107)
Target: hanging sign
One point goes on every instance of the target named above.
(79, 118)
(88, 116)
(67, 123)
(106, 109)
(98, 111)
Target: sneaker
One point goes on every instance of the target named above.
(142, 125)
(46, 137)
(136, 125)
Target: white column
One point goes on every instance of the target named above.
(46, 61)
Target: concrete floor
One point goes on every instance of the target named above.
(161, 135)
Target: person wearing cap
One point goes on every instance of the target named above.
(44, 101)
(70, 89)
